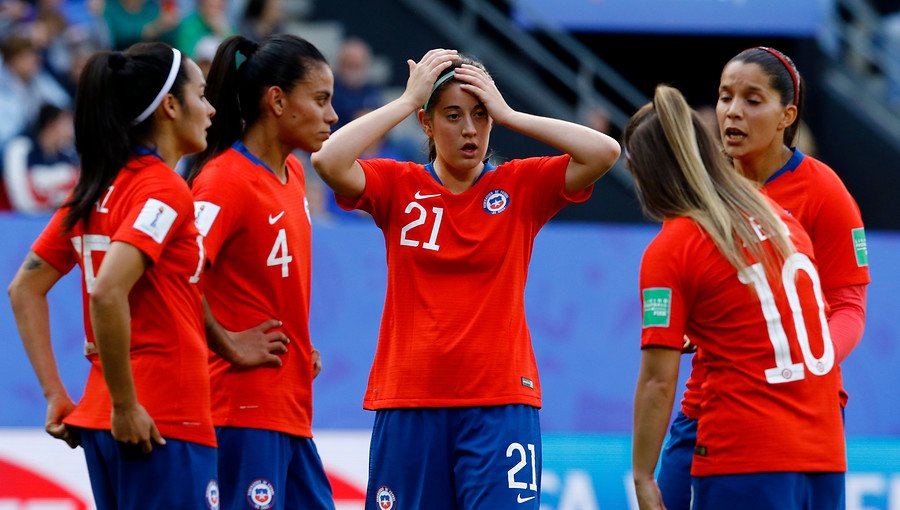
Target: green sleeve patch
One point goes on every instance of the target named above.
(657, 307)
(860, 247)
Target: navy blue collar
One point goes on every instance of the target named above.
(240, 147)
(790, 166)
(143, 150)
(488, 167)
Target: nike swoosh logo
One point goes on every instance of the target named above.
(520, 499)
(273, 219)
(420, 196)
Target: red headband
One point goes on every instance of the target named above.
(790, 68)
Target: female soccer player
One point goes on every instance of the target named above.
(129, 226)
(454, 380)
(251, 207)
(760, 101)
(729, 271)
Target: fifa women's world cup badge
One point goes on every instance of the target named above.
(261, 494)
(385, 498)
(496, 201)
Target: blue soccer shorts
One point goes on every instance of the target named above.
(477, 458)
(770, 491)
(179, 474)
(264, 469)
(674, 477)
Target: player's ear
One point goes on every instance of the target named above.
(425, 122)
(789, 117)
(275, 100)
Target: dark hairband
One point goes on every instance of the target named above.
(247, 47)
(789, 66)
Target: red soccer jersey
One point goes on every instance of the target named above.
(453, 331)
(149, 207)
(257, 237)
(813, 194)
(769, 399)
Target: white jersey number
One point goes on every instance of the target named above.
(279, 254)
(523, 461)
(785, 370)
(423, 215)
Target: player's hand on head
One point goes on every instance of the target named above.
(260, 345)
(425, 72)
(478, 83)
(132, 425)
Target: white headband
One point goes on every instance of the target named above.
(173, 72)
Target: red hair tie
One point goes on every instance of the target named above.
(787, 64)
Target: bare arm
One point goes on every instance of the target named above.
(253, 347)
(592, 152)
(28, 297)
(653, 400)
(336, 162)
(110, 314)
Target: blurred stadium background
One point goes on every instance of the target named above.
(592, 61)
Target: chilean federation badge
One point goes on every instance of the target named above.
(212, 495)
(261, 494)
(385, 498)
(496, 201)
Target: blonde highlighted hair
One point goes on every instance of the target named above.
(680, 171)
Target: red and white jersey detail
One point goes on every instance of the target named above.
(148, 206)
(453, 331)
(769, 400)
(258, 237)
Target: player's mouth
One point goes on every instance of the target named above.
(469, 149)
(734, 135)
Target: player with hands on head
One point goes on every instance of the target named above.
(144, 420)
(735, 273)
(760, 103)
(251, 206)
(458, 234)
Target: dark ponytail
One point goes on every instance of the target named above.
(113, 89)
(236, 87)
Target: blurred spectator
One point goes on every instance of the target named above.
(210, 18)
(133, 21)
(205, 51)
(889, 35)
(597, 117)
(707, 114)
(40, 169)
(24, 87)
(261, 19)
(13, 12)
(353, 91)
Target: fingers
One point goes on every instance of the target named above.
(269, 324)
(62, 432)
(155, 437)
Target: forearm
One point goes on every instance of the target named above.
(586, 146)
(217, 338)
(653, 401)
(847, 320)
(111, 322)
(32, 319)
(337, 157)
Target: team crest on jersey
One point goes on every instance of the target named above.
(496, 201)
(261, 494)
(385, 498)
(212, 495)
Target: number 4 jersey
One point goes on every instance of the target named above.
(453, 331)
(770, 397)
(148, 206)
(257, 237)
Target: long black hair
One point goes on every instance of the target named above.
(114, 88)
(235, 88)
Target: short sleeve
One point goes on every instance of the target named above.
(839, 237)
(547, 176)
(151, 217)
(663, 295)
(375, 199)
(54, 245)
(218, 205)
